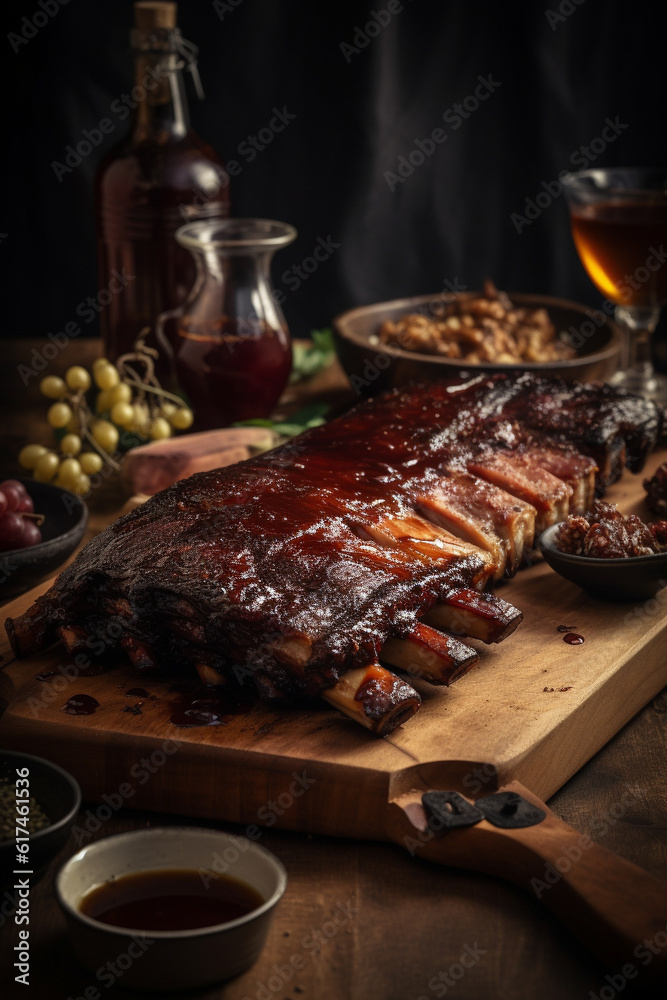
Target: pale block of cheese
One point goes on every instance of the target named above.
(152, 467)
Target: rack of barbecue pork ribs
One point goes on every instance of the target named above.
(368, 543)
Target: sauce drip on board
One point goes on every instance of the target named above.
(81, 704)
(574, 639)
(208, 707)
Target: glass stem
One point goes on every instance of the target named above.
(638, 326)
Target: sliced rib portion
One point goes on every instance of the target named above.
(578, 471)
(371, 695)
(484, 515)
(428, 541)
(521, 475)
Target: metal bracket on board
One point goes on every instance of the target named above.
(508, 810)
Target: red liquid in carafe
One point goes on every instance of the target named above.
(229, 376)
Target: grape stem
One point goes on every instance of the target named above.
(158, 390)
(84, 415)
(145, 356)
(37, 518)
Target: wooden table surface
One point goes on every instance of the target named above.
(363, 920)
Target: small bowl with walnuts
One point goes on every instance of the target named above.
(612, 555)
(391, 343)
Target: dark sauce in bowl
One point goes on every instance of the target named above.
(170, 899)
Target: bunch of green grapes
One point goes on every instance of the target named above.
(88, 437)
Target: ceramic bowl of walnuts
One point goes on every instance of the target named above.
(430, 337)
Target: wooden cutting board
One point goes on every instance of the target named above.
(534, 710)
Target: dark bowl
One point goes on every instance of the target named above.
(59, 796)
(373, 367)
(637, 578)
(65, 520)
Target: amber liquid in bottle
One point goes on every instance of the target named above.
(621, 243)
(162, 176)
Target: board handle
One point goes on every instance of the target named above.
(616, 909)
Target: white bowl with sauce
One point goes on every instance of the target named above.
(147, 958)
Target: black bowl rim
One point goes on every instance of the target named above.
(81, 521)
(520, 298)
(68, 818)
(546, 544)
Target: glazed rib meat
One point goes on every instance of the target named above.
(373, 539)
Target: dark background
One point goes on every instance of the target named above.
(449, 222)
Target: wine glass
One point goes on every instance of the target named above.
(619, 226)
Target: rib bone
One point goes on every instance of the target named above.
(478, 616)
(73, 637)
(208, 675)
(433, 655)
(375, 697)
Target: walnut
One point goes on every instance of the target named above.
(483, 308)
(571, 534)
(602, 509)
(642, 542)
(605, 533)
(656, 490)
(659, 532)
(607, 540)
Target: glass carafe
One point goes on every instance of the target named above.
(228, 343)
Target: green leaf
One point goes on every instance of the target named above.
(254, 422)
(288, 430)
(308, 412)
(312, 415)
(308, 359)
(323, 339)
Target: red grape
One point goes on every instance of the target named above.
(25, 505)
(3, 503)
(12, 495)
(31, 535)
(17, 484)
(11, 531)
